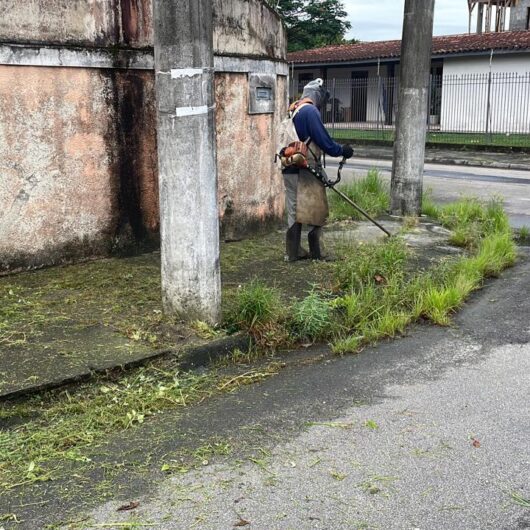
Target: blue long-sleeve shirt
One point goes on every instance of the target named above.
(308, 124)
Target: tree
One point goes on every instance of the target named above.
(312, 23)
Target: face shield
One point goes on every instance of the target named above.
(316, 92)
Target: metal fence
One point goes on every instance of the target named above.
(480, 109)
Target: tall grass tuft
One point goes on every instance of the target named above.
(428, 206)
(311, 317)
(366, 264)
(370, 193)
(256, 304)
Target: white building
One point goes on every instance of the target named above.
(480, 82)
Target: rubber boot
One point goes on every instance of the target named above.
(314, 238)
(292, 243)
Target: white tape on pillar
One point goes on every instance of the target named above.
(191, 111)
(177, 73)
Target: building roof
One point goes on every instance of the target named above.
(389, 49)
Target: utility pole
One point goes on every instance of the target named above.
(189, 220)
(411, 124)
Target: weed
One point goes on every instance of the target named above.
(428, 207)
(524, 233)
(409, 223)
(337, 475)
(256, 305)
(351, 344)
(204, 330)
(370, 193)
(439, 302)
(370, 264)
(310, 318)
(332, 424)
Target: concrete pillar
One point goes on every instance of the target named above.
(189, 220)
(411, 124)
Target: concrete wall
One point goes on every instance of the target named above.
(519, 16)
(465, 94)
(248, 28)
(78, 160)
(77, 22)
(250, 192)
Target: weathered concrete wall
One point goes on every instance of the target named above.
(241, 27)
(77, 163)
(56, 172)
(250, 187)
(78, 157)
(77, 22)
(248, 28)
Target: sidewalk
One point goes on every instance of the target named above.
(500, 160)
(63, 324)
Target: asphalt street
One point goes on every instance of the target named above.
(428, 432)
(449, 182)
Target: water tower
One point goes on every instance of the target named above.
(491, 14)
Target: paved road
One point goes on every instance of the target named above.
(430, 432)
(448, 182)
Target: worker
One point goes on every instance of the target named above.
(306, 198)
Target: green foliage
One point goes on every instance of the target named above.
(428, 206)
(439, 302)
(495, 253)
(524, 233)
(312, 23)
(310, 318)
(369, 264)
(256, 305)
(351, 344)
(472, 220)
(370, 193)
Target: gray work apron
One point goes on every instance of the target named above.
(307, 202)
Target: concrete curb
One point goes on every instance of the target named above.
(191, 358)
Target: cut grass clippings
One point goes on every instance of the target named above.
(371, 293)
(61, 426)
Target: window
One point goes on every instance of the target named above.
(528, 18)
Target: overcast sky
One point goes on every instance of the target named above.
(382, 19)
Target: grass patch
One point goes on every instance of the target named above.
(378, 298)
(256, 305)
(370, 293)
(311, 317)
(374, 295)
(371, 193)
(259, 310)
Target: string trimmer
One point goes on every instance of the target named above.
(320, 174)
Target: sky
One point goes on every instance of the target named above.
(383, 19)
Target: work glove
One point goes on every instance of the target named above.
(347, 151)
